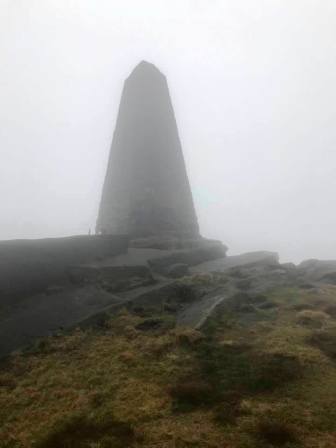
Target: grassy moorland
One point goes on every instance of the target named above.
(261, 373)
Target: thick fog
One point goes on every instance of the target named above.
(253, 87)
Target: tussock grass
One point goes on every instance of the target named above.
(254, 377)
(312, 318)
(276, 432)
(325, 341)
(82, 430)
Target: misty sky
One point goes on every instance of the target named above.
(253, 87)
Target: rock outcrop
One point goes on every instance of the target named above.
(318, 270)
(29, 267)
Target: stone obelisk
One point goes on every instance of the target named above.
(146, 189)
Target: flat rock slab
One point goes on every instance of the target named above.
(225, 263)
(197, 313)
(44, 314)
(133, 257)
(112, 278)
(29, 267)
(192, 257)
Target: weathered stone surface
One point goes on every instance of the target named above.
(112, 278)
(261, 258)
(207, 251)
(178, 270)
(156, 242)
(329, 278)
(146, 189)
(31, 266)
(170, 292)
(43, 314)
(318, 270)
(166, 242)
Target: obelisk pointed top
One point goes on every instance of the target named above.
(145, 68)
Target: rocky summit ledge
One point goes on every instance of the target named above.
(56, 283)
(190, 282)
(29, 267)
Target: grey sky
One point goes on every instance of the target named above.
(253, 86)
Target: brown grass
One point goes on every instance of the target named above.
(247, 380)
